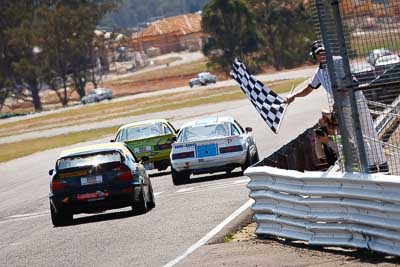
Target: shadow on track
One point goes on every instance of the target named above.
(101, 217)
(159, 174)
(194, 179)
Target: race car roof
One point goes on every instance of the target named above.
(133, 124)
(206, 121)
(93, 149)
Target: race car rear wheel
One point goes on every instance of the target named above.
(140, 207)
(248, 162)
(256, 158)
(60, 218)
(151, 203)
(179, 178)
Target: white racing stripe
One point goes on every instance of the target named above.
(28, 214)
(211, 234)
(11, 245)
(212, 186)
(23, 218)
(199, 190)
(186, 189)
(157, 193)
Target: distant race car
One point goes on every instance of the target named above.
(203, 78)
(97, 95)
(211, 145)
(152, 138)
(97, 178)
(377, 53)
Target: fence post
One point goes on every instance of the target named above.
(350, 87)
(349, 161)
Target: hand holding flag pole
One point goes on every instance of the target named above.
(284, 111)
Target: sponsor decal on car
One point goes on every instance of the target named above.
(185, 145)
(98, 195)
(72, 174)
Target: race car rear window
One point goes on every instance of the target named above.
(203, 132)
(142, 131)
(88, 160)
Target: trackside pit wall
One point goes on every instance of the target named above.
(299, 154)
(335, 209)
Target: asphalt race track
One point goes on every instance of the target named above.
(182, 216)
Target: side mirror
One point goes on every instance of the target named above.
(112, 141)
(51, 172)
(173, 139)
(248, 129)
(144, 158)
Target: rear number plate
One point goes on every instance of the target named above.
(206, 151)
(98, 179)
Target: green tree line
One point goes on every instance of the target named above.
(260, 32)
(47, 42)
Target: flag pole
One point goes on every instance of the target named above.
(284, 112)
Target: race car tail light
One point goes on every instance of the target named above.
(163, 146)
(229, 149)
(183, 155)
(58, 185)
(124, 174)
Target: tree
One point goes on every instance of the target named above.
(53, 31)
(19, 50)
(286, 28)
(66, 33)
(47, 42)
(231, 27)
(86, 16)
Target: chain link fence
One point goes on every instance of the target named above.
(362, 42)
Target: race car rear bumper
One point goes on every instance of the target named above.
(110, 199)
(224, 162)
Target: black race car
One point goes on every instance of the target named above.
(97, 178)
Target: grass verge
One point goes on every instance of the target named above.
(106, 111)
(15, 150)
(191, 68)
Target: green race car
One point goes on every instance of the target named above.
(152, 139)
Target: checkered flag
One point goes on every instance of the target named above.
(270, 105)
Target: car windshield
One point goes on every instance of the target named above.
(204, 132)
(143, 131)
(88, 160)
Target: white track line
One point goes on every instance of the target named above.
(211, 234)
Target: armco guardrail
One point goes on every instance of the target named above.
(335, 209)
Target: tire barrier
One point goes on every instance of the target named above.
(335, 209)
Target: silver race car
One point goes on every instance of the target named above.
(211, 145)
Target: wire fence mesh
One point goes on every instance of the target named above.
(362, 42)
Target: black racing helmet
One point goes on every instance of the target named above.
(316, 47)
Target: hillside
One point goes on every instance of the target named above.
(131, 13)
